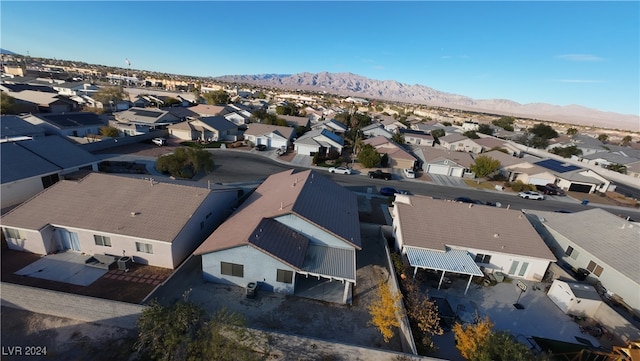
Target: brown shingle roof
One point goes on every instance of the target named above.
(433, 224)
(105, 203)
(308, 195)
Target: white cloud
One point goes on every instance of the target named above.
(579, 57)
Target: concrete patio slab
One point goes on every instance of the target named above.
(67, 267)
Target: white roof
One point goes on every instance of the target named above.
(452, 260)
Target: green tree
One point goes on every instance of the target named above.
(438, 133)
(109, 131)
(566, 152)
(216, 97)
(7, 104)
(170, 101)
(185, 162)
(383, 310)
(368, 156)
(398, 138)
(446, 124)
(484, 166)
(485, 129)
(572, 132)
(471, 134)
(501, 346)
(603, 138)
(543, 131)
(109, 94)
(617, 167)
(505, 123)
(626, 140)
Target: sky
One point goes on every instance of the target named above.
(562, 53)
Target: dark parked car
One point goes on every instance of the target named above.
(468, 200)
(261, 147)
(379, 174)
(550, 189)
(390, 191)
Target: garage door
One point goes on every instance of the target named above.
(539, 181)
(584, 188)
(438, 169)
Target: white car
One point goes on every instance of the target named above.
(409, 173)
(341, 170)
(159, 141)
(531, 195)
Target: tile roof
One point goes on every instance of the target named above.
(433, 155)
(435, 224)
(258, 129)
(505, 160)
(206, 110)
(100, 202)
(454, 137)
(308, 195)
(606, 236)
(218, 123)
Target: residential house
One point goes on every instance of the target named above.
(295, 122)
(587, 144)
(136, 121)
(489, 143)
(296, 227)
(272, 136)
(74, 88)
(447, 163)
(320, 141)
(605, 159)
(416, 137)
(205, 110)
(156, 223)
(466, 239)
(12, 127)
(210, 129)
(598, 241)
(574, 178)
(459, 143)
(182, 113)
(398, 156)
(29, 166)
(391, 124)
(333, 126)
(376, 129)
(470, 126)
(77, 124)
(46, 102)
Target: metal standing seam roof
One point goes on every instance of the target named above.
(613, 240)
(338, 263)
(58, 151)
(20, 163)
(452, 260)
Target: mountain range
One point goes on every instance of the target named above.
(349, 84)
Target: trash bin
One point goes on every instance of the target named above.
(251, 289)
(585, 202)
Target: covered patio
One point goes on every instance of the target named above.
(450, 260)
(322, 267)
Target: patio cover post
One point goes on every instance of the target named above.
(441, 278)
(415, 270)
(468, 283)
(345, 292)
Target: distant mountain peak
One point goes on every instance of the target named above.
(7, 52)
(349, 84)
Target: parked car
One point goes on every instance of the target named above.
(390, 191)
(379, 174)
(261, 147)
(409, 173)
(340, 170)
(550, 189)
(531, 195)
(159, 141)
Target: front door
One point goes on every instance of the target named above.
(518, 268)
(70, 241)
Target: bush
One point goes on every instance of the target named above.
(518, 186)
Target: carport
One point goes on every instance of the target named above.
(451, 260)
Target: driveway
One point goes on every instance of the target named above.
(444, 180)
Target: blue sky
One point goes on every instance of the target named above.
(562, 53)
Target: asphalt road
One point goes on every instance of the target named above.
(247, 167)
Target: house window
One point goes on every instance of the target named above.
(595, 268)
(144, 247)
(523, 269)
(102, 240)
(571, 252)
(232, 269)
(284, 276)
(483, 258)
(13, 233)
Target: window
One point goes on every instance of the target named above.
(571, 252)
(483, 258)
(284, 276)
(144, 247)
(523, 269)
(595, 268)
(49, 180)
(102, 240)
(232, 269)
(13, 233)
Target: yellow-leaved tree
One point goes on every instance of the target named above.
(471, 338)
(384, 310)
